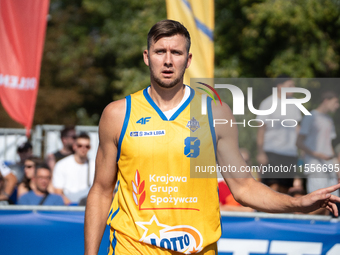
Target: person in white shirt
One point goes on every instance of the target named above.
(315, 139)
(276, 143)
(73, 176)
(8, 182)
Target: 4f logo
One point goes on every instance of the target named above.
(143, 121)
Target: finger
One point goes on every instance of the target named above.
(335, 210)
(333, 188)
(334, 199)
(329, 208)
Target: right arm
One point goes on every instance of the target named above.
(300, 143)
(100, 195)
(51, 161)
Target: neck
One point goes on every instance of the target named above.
(40, 192)
(66, 151)
(80, 160)
(322, 109)
(167, 98)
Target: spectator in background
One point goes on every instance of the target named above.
(24, 151)
(40, 195)
(315, 139)
(67, 136)
(8, 182)
(73, 175)
(275, 143)
(27, 183)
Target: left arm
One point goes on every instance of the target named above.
(247, 191)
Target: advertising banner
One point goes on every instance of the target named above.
(53, 232)
(22, 34)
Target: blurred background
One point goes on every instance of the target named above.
(93, 51)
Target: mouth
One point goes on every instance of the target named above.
(167, 73)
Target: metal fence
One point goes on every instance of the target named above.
(45, 139)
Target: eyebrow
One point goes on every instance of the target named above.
(172, 50)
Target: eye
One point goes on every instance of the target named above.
(160, 51)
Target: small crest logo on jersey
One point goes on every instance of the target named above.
(133, 133)
(182, 238)
(193, 124)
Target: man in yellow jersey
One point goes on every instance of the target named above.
(147, 142)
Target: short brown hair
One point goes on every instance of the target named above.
(328, 95)
(167, 28)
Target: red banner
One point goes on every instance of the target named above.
(22, 34)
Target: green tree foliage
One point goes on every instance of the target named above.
(265, 38)
(93, 55)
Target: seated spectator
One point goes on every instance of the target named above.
(40, 195)
(67, 136)
(73, 176)
(227, 201)
(24, 151)
(8, 182)
(29, 168)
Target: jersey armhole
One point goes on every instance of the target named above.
(211, 124)
(125, 124)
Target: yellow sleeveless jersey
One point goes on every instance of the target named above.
(157, 201)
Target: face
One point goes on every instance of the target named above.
(81, 147)
(167, 60)
(25, 154)
(287, 84)
(29, 168)
(332, 104)
(68, 140)
(42, 179)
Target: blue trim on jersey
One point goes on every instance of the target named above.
(153, 104)
(114, 242)
(125, 124)
(160, 113)
(184, 105)
(211, 123)
(117, 211)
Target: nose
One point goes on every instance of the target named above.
(168, 59)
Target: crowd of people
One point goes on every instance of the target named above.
(65, 177)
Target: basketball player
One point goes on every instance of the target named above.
(148, 141)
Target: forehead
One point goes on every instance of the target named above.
(289, 83)
(175, 41)
(83, 140)
(43, 171)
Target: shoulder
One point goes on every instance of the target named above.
(64, 161)
(221, 111)
(56, 198)
(223, 116)
(112, 119)
(267, 101)
(27, 196)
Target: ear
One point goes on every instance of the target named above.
(189, 60)
(146, 57)
(74, 146)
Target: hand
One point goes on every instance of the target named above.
(262, 158)
(3, 197)
(322, 156)
(321, 198)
